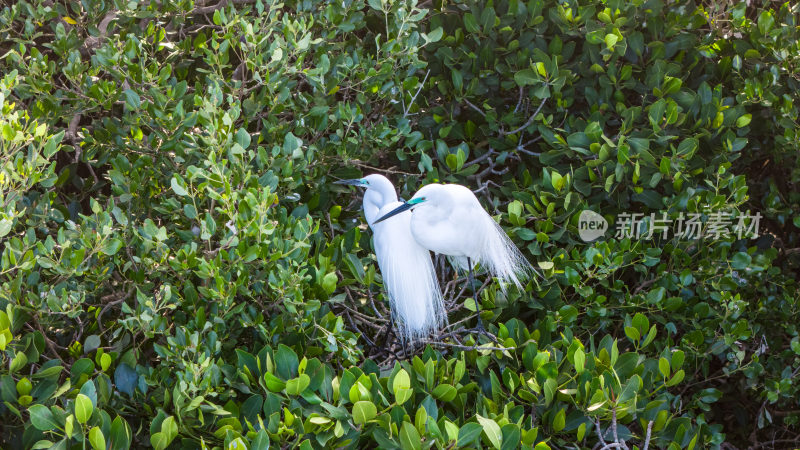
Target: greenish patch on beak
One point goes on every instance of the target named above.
(404, 207)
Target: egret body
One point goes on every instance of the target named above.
(408, 273)
(449, 219)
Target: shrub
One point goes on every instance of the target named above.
(177, 270)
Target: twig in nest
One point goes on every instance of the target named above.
(364, 318)
(355, 327)
(464, 347)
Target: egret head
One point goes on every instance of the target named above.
(380, 191)
(373, 181)
(429, 196)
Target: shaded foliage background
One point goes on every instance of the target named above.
(177, 270)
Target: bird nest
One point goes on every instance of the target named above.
(372, 320)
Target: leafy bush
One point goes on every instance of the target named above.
(177, 270)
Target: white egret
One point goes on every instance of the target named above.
(408, 273)
(449, 219)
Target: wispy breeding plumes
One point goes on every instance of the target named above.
(406, 267)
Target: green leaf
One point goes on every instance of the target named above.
(741, 261)
(24, 386)
(83, 408)
(435, 35)
(470, 23)
(525, 77)
(273, 383)
(159, 441)
(677, 378)
(445, 392)
(169, 428)
(121, 435)
(110, 248)
(559, 421)
(329, 282)
(242, 138)
(97, 439)
(5, 226)
(125, 377)
(177, 186)
(42, 418)
(88, 389)
(291, 143)
(663, 366)
(8, 132)
(744, 120)
(401, 387)
(297, 385)
(92, 342)
(631, 389)
(286, 362)
(409, 437)
(633, 334)
(611, 40)
(363, 412)
(677, 359)
(132, 99)
(469, 433)
(492, 430)
(580, 360)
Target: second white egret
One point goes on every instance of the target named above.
(408, 273)
(449, 219)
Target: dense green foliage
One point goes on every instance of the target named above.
(178, 271)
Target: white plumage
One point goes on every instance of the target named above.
(408, 273)
(449, 219)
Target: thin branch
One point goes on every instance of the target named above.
(519, 101)
(220, 5)
(421, 85)
(71, 136)
(647, 437)
(784, 413)
(480, 111)
(111, 300)
(599, 431)
(355, 327)
(526, 124)
(94, 42)
(613, 445)
(522, 149)
(484, 156)
(771, 444)
(614, 429)
(464, 347)
(532, 141)
(644, 285)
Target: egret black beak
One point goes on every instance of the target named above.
(404, 207)
(354, 182)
